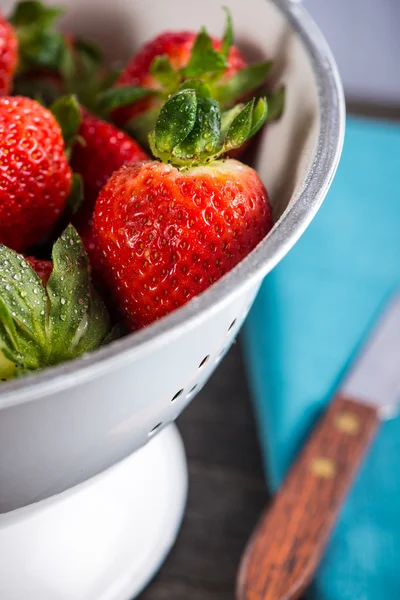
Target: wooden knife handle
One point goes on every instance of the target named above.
(288, 543)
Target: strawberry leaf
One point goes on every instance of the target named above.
(39, 46)
(78, 321)
(23, 310)
(239, 129)
(246, 124)
(44, 326)
(67, 65)
(68, 114)
(84, 73)
(22, 292)
(116, 332)
(88, 49)
(161, 68)
(176, 120)
(276, 103)
(32, 13)
(94, 329)
(227, 40)
(76, 195)
(204, 60)
(123, 95)
(245, 81)
(8, 366)
(8, 336)
(202, 89)
(45, 50)
(228, 117)
(259, 116)
(205, 135)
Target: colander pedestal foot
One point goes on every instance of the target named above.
(102, 540)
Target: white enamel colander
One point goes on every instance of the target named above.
(89, 508)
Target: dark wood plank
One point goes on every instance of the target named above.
(227, 490)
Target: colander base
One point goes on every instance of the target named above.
(102, 540)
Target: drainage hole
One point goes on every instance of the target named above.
(232, 325)
(156, 428)
(203, 362)
(177, 395)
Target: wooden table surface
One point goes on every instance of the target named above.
(226, 494)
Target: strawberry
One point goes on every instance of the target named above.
(165, 62)
(43, 268)
(165, 231)
(49, 318)
(177, 48)
(35, 178)
(103, 150)
(8, 55)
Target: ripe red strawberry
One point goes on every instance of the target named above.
(83, 221)
(35, 178)
(177, 46)
(165, 63)
(43, 268)
(8, 55)
(104, 150)
(165, 232)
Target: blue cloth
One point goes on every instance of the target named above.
(311, 315)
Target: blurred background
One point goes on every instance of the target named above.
(363, 35)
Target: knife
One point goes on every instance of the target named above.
(288, 543)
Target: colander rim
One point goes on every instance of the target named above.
(268, 253)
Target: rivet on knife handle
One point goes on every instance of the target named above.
(289, 541)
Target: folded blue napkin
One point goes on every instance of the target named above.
(310, 317)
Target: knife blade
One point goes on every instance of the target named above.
(289, 540)
(374, 378)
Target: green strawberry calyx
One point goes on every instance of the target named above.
(42, 325)
(68, 114)
(191, 129)
(40, 46)
(205, 63)
(52, 63)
